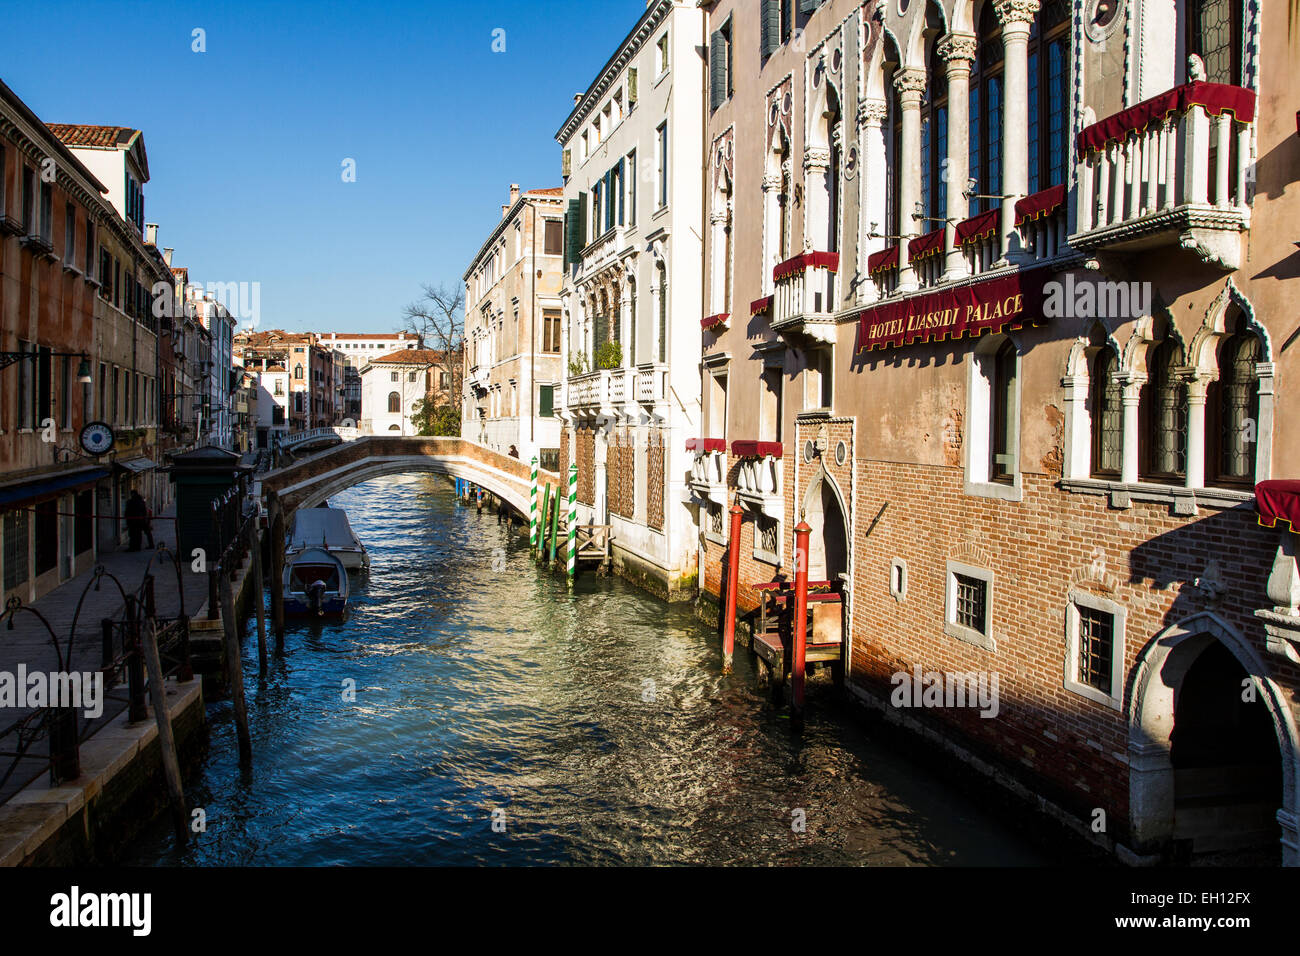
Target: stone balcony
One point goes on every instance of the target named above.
(803, 297)
(758, 476)
(1169, 171)
(588, 392)
(708, 481)
(651, 384)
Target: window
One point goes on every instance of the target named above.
(662, 159)
(631, 188)
(1107, 415)
(934, 144)
(70, 234)
(1003, 415)
(550, 330)
(770, 404)
(1094, 667)
(1048, 64)
(412, 376)
(47, 212)
(29, 202)
(898, 579)
(65, 392)
(1162, 416)
(297, 372)
(90, 246)
(394, 403)
(818, 379)
(394, 377)
(767, 539)
(777, 20)
(26, 388)
(16, 535)
(720, 70)
(1214, 33)
(661, 59)
(663, 315)
(717, 406)
(546, 401)
(715, 528)
(1232, 404)
(554, 243)
(969, 605)
(985, 148)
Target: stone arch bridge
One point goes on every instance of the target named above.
(311, 480)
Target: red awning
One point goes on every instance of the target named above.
(990, 306)
(1041, 203)
(1278, 500)
(927, 245)
(1215, 97)
(713, 320)
(706, 444)
(979, 227)
(815, 260)
(759, 306)
(884, 259)
(745, 448)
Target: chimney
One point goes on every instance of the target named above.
(504, 210)
(151, 233)
(167, 256)
(577, 98)
(514, 193)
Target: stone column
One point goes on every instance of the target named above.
(1016, 17)
(958, 53)
(717, 268)
(1132, 390)
(624, 321)
(771, 228)
(1078, 430)
(871, 188)
(816, 191)
(910, 84)
(1197, 382)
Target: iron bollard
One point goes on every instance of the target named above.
(106, 626)
(65, 757)
(137, 709)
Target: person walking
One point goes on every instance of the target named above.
(139, 521)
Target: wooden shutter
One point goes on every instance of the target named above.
(566, 164)
(547, 401)
(771, 26)
(622, 188)
(631, 86)
(571, 220)
(808, 6)
(717, 69)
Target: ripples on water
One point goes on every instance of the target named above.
(598, 723)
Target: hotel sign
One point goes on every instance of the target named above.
(982, 308)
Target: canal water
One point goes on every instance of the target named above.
(499, 719)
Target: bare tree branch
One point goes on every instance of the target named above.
(438, 317)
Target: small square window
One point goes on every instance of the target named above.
(969, 605)
(1094, 665)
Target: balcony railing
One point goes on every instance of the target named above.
(758, 475)
(1174, 164)
(589, 390)
(709, 469)
(651, 384)
(618, 387)
(804, 293)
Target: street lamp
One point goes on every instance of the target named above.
(83, 369)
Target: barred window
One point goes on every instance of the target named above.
(15, 548)
(972, 602)
(715, 519)
(1234, 404)
(767, 536)
(1096, 648)
(1163, 414)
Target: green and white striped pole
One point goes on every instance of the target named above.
(573, 522)
(532, 509)
(555, 527)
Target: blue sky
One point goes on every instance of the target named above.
(246, 141)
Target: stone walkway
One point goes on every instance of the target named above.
(29, 643)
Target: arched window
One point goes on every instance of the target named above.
(1107, 415)
(1233, 404)
(1162, 415)
(394, 403)
(297, 371)
(1049, 73)
(893, 142)
(1214, 33)
(1003, 414)
(934, 144)
(985, 149)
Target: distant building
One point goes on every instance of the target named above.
(513, 370)
(358, 348)
(393, 384)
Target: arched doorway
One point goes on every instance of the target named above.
(828, 553)
(1227, 768)
(1212, 749)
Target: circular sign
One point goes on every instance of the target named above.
(97, 438)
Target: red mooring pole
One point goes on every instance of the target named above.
(800, 623)
(733, 586)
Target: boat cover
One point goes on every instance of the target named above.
(322, 527)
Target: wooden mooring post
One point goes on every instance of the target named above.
(259, 603)
(276, 514)
(166, 738)
(235, 668)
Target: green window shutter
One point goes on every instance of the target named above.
(572, 225)
(717, 70)
(808, 6)
(566, 164)
(622, 180)
(547, 401)
(771, 26)
(582, 223)
(787, 20)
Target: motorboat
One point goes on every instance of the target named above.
(328, 528)
(315, 583)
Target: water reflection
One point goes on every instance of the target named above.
(596, 724)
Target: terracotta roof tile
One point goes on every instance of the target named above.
(104, 137)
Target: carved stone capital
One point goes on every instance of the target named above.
(772, 181)
(910, 80)
(957, 49)
(816, 157)
(1015, 11)
(872, 112)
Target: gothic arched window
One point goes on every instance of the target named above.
(1107, 415)
(1162, 413)
(934, 144)
(1049, 77)
(1214, 33)
(1233, 403)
